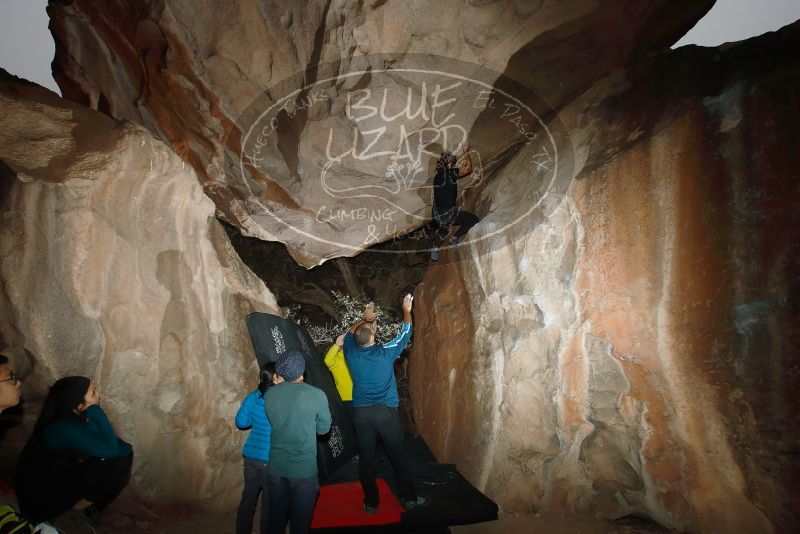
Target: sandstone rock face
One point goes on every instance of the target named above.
(196, 73)
(113, 266)
(631, 352)
(634, 353)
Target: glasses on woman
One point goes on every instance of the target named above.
(12, 376)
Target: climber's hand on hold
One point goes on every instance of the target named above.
(369, 312)
(407, 302)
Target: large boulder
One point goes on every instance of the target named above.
(627, 348)
(113, 266)
(634, 353)
(209, 78)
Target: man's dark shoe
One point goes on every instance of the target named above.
(410, 504)
(370, 509)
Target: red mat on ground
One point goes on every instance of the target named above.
(342, 505)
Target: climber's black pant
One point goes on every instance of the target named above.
(463, 219)
(379, 421)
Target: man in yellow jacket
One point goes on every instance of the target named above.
(334, 359)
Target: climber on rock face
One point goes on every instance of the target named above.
(446, 213)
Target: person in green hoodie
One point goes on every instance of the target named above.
(73, 459)
(297, 413)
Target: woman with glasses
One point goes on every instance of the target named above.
(9, 385)
(73, 459)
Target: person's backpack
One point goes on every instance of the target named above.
(12, 523)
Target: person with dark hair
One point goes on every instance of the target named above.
(9, 384)
(73, 459)
(445, 201)
(298, 413)
(375, 402)
(251, 415)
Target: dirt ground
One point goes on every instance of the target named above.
(125, 517)
(550, 524)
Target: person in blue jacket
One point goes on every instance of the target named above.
(73, 459)
(251, 415)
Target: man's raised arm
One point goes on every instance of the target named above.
(407, 302)
(395, 347)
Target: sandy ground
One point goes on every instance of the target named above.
(548, 524)
(125, 517)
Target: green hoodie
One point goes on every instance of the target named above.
(297, 412)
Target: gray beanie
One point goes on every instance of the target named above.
(291, 365)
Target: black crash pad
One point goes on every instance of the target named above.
(451, 499)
